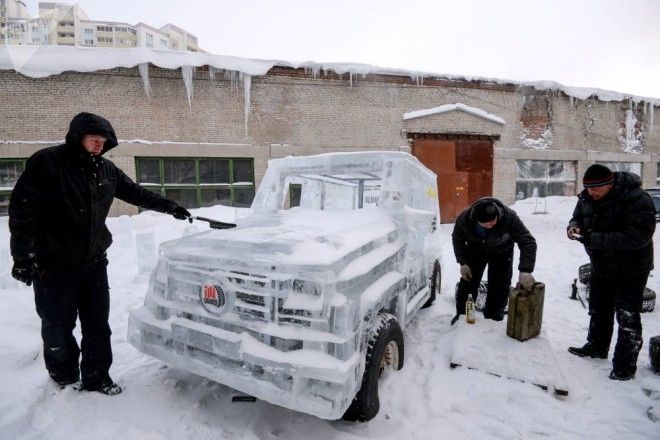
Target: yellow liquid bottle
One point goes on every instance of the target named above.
(469, 310)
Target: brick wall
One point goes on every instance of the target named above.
(294, 112)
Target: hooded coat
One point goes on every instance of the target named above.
(58, 207)
(508, 230)
(618, 229)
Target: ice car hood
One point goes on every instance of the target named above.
(297, 237)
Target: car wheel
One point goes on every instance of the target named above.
(648, 300)
(584, 273)
(384, 350)
(436, 282)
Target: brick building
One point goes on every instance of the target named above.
(203, 135)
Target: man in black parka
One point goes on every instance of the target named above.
(615, 220)
(484, 235)
(57, 214)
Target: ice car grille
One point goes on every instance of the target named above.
(252, 296)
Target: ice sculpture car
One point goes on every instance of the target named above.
(304, 302)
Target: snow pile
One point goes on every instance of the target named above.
(425, 400)
(542, 143)
(453, 107)
(631, 135)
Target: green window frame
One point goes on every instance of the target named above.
(10, 171)
(196, 182)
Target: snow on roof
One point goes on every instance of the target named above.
(42, 61)
(453, 107)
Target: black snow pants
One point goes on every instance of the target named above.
(500, 271)
(619, 296)
(60, 298)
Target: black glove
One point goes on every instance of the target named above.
(24, 271)
(181, 213)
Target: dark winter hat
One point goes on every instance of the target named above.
(597, 175)
(485, 212)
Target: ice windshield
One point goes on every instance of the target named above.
(332, 191)
(346, 181)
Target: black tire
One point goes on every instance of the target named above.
(385, 331)
(436, 283)
(584, 273)
(648, 300)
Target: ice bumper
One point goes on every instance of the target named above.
(304, 380)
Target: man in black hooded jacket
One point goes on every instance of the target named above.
(615, 220)
(484, 235)
(57, 214)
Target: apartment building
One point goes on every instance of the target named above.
(107, 34)
(180, 39)
(148, 36)
(68, 25)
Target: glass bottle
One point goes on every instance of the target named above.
(469, 310)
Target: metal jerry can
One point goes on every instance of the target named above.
(525, 312)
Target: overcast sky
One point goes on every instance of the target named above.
(610, 44)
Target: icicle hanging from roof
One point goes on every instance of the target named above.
(419, 79)
(212, 72)
(233, 77)
(247, 87)
(144, 73)
(187, 72)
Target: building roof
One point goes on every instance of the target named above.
(42, 61)
(104, 22)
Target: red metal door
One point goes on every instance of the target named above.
(464, 168)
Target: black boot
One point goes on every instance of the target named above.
(588, 350)
(107, 387)
(619, 374)
(65, 379)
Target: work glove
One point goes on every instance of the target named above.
(572, 231)
(181, 213)
(526, 280)
(24, 271)
(466, 272)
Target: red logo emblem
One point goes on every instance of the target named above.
(213, 295)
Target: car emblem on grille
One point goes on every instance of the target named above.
(213, 295)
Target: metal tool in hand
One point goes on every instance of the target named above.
(214, 224)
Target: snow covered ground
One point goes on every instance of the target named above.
(425, 400)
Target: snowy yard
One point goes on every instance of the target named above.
(425, 400)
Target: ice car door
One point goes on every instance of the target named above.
(419, 227)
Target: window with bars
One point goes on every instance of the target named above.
(198, 182)
(542, 178)
(10, 171)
